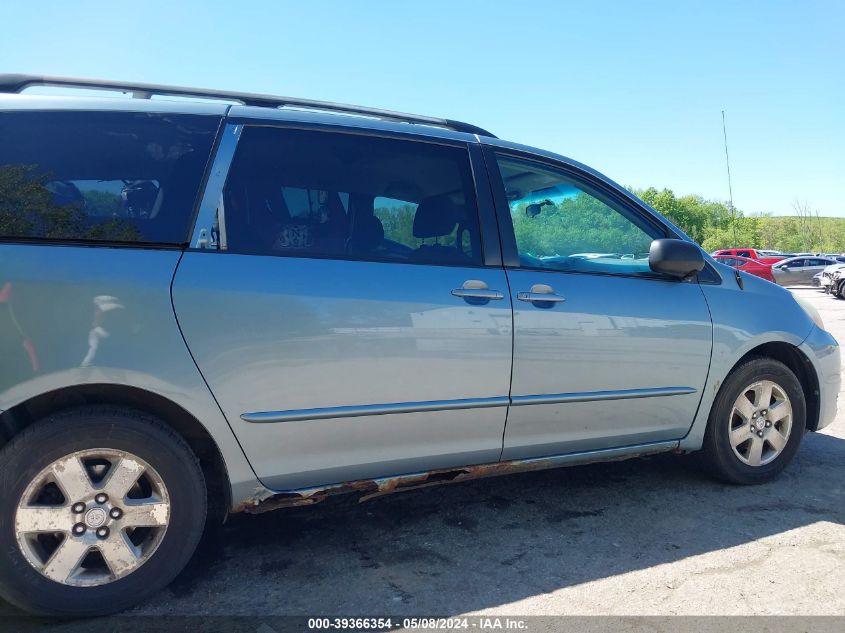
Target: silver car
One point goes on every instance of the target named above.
(799, 271)
(209, 308)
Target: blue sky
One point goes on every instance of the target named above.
(634, 89)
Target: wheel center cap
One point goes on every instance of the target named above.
(761, 424)
(95, 517)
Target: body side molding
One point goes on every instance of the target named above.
(355, 411)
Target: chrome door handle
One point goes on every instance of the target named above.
(540, 293)
(474, 289)
(477, 293)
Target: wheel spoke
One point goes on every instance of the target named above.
(118, 553)
(776, 440)
(66, 559)
(779, 411)
(149, 514)
(72, 478)
(42, 519)
(755, 452)
(764, 395)
(122, 476)
(744, 407)
(740, 435)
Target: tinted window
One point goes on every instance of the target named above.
(561, 225)
(321, 194)
(105, 176)
(796, 263)
(744, 253)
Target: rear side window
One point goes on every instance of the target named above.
(101, 176)
(323, 194)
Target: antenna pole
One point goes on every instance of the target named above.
(730, 188)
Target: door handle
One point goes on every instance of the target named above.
(474, 289)
(540, 293)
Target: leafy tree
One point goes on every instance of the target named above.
(28, 209)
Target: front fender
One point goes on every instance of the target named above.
(743, 319)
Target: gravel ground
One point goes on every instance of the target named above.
(642, 537)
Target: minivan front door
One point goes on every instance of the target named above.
(347, 324)
(606, 354)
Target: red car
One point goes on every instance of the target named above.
(749, 253)
(748, 265)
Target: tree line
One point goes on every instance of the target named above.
(712, 225)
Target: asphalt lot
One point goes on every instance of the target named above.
(642, 537)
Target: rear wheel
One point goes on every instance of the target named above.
(99, 508)
(756, 423)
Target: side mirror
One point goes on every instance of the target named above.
(676, 258)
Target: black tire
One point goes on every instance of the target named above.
(57, 436)
(717, 454)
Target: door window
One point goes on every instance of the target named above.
(322, 194)
(796, 263)
(560, 224)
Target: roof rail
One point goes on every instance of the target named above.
(14, 83)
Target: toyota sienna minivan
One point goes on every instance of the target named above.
(238, 302)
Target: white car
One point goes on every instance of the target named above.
(827, 276)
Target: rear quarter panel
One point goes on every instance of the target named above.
(74, 315)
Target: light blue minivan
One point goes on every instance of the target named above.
(236, 302)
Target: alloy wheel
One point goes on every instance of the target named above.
(92, 517)
(760, 423)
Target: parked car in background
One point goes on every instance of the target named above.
(751, 253)
(836, 283)
(209, 308)
(825, 277)
(751, 266)
(799, 271)
(781, 254)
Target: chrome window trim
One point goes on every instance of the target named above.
(203, 236)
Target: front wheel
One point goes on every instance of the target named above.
(756, 423)
(99, 509)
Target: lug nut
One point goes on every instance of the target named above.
(768, 424)
(759, 433)
(79, 529)
(763, 412)
(115, 513)
(78, 508)
(101, 498)
(102, 532)
(754, 416)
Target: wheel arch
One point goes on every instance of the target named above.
(201, 442)
(800, 365)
